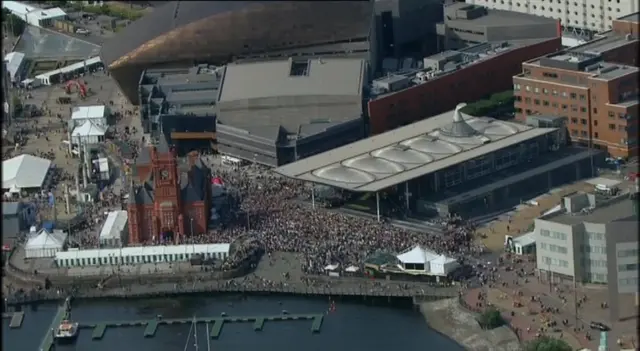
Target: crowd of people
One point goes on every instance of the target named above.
(272, 211)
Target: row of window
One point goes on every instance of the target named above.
(552, 92)
(628, 267)
(594, 249)
(554, 262)
(594, 263)
(117, 260)
(553, 235)
(628, 253)
(554, 248)
(595, 236)
(597, 277)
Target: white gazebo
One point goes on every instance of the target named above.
(24, 172)
(45, 244)
(419, 260)
(89, 132)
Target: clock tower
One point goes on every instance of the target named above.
(167, 204)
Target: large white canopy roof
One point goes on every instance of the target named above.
(419, 255)
(47, 240)
(87, 129)
(24, 171)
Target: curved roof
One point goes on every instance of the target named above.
(410, 152)
(187, 30)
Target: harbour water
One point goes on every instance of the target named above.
(351, 326)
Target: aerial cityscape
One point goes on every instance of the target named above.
(180, 169)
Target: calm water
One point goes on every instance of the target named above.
(351, 326)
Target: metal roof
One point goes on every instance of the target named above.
(409, 152)
(272, 79)
(24, 171)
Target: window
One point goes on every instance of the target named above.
(595, 122)
(536, 90)
(549, 75)
(545, 91)
(479, 167)
(527, 100)
(628, 267)
(574, 120)
(583, 109)
(558, 249)
(453, 176)
(574, 108)
(527, 88)
(543, 246)
(595, 110)
(612, 126)
(554, 92)
(536, 101)
(554, 104)
(628, 253)
(564, 94)
(583, 97)
(583, 133)
(565, 107)
(612, 114)
(595, 236)
(574, 132)
(573, 95)
(595, 135)
(583, 121)
(545, 103)
(516, 87)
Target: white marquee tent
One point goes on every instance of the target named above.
(422, 261)
(89, 132)
(24, 171)
(45, 244)
(113, 230)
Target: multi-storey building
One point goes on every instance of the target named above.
(592, 239)
(599, 98)
(619, 45)
(449, 78)
(168, 204)
(466, 25)
(580, 15)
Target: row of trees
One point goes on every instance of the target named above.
(492, 318)
(501, 100)
(12, 23)
(108, 10)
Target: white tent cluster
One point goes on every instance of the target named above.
(45, 243)
(88, 132)
(112, 233)
(24, 172)
(419, 260)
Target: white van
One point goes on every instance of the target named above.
(231, 161)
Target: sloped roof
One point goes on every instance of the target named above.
(45, 239)
(420, 255)
(24, 171)
(88, 128)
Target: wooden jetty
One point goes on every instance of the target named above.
(151, 326)
(16, 319)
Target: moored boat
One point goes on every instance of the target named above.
(66, 332)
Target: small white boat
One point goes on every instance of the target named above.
(67, 331)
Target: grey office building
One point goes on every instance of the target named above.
(275, 112)
(466, 24)
(181, 104)
(592, 239)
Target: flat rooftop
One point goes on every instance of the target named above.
(309, 77)
(603, 42)
(495, 18)
(596, 68)
(410, 152)
(621, 208)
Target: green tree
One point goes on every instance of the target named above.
(15, 24)
(546, 343)
(491, 318)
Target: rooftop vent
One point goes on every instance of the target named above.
(459, 128)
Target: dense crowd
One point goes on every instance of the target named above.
(273, 212)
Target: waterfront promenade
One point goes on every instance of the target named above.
(364, 291)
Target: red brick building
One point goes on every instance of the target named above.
(168, 202)
(469, 83)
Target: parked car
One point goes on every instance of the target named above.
(599, 326)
